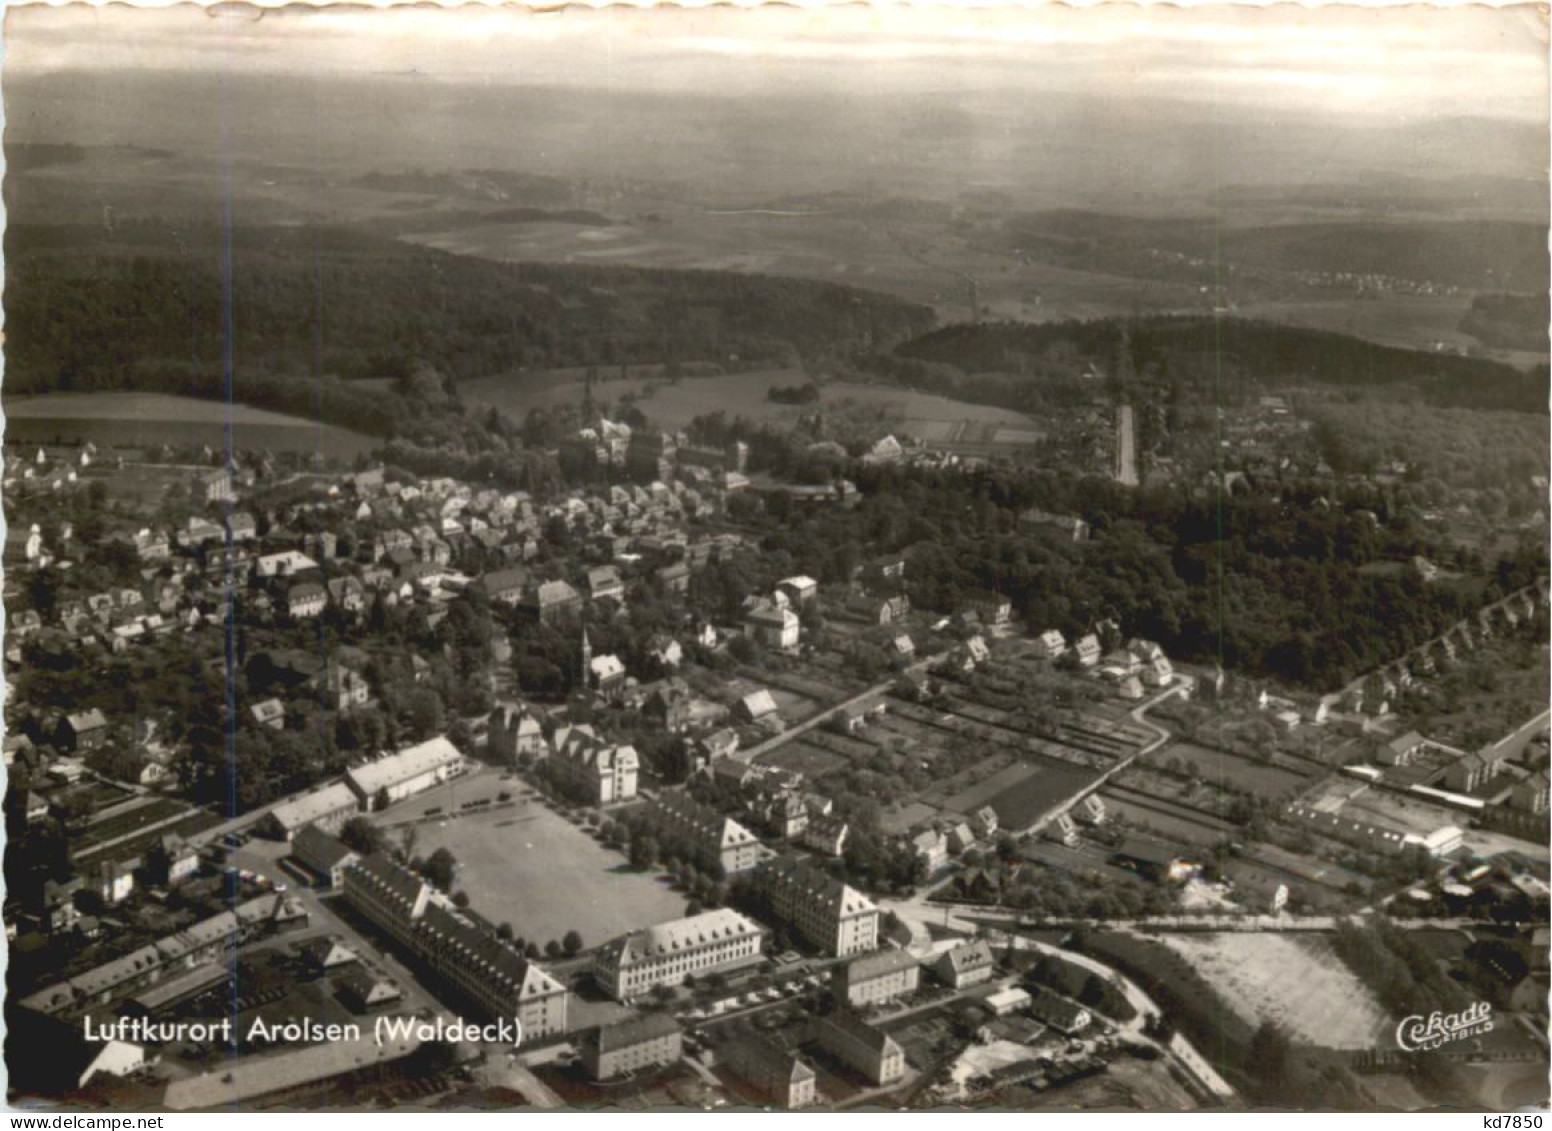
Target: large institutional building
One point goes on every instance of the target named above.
(606, 772)
(665, 954)
(721, 837)
(831, 915)
(482, 967)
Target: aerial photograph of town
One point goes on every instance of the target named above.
(713, 560)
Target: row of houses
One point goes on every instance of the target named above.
(182, 951)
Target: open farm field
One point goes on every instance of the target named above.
(927, 262)
(673, 404)
(117, 419)
(1293, 980)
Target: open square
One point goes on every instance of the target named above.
(528, 866)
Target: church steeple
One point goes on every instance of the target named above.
(587, 656)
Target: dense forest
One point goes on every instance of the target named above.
(1216, 355)
(1272, 587)
(150, 306)
(1516, 322)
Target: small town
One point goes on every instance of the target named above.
(707, 831)
(770, 559)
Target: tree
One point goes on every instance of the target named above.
(1269, 1050)
(643, 851)
(441, 868)
(572, 942)
(504, 932)
(360, 835)
(552, 948)
(460, 899)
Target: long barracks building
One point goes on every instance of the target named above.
(831, 915)
(482, 967)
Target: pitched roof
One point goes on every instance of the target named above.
(854, 1027)
(758, 703)
(678, 936)
(975, 955)
(878, 964)
(840, 898)
(635, 1031)
(319, 849)
(311, 806)
(408, 763)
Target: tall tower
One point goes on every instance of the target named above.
(587, 657)
(589, 409)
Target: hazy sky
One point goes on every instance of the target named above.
(1398, 61)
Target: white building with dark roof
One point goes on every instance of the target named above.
(829, 914)
(481, 967)
(645, 1042)
(665, 954)
(412, 770)
(327, 807)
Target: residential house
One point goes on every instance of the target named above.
(778, 1075)
(81, 731)
(965, 965)
(550, 600)
(515, 732)
(984, 822)
(348, 593)
(874, 978)
(306, 600)
(173, 860)
(800, 590)
(931, 848)
(773, 625)
(633, 1046)
(675, 577)
(115, 881)
(825, 835)
(1062, 1014)
(861, 1047)
(1088, 650)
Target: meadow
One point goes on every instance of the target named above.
(673, 404)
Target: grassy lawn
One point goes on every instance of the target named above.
(530, 867)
